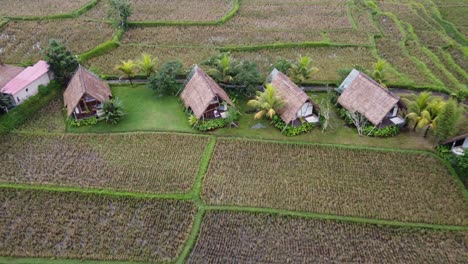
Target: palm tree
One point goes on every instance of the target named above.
(223, 68)
(416, 108)
(147, 64)
(128, 68)
(430, 115)
(378, 73)
(267, 102)
(302, 70)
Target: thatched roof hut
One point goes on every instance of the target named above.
(294, 96)
(359, 93)
(85, 85)
(201, 92)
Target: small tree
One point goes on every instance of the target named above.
(359, 121)
(378, 74)
(122, 10)
(128, 68)
(302, 70)
(267, 102)
(246, 74)
(460, 95)
(416, 108)
(447, 119)
(147, 64)
(430, 115)
(164, 82)
(113, 111)
(282, 65)
(61, 61)
(222, 67)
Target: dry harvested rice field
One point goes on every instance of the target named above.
(334, 180)
(150, 163)
(72, 225)
(227, 237)
(15, 8)
(424, 41)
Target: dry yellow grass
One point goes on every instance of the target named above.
(23, 41)
(39, 8)
(180, 10)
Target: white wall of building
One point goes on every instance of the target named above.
(31, 89)
(465, 143)
(305, 110)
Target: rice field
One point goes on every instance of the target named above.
(163, 10)
(149, 163)
(82, 226)
(15, 8)
(24, 41)
(407, 187)
(228, 237)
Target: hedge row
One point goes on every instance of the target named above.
(72, 14)
(103, 48)
(20, 114)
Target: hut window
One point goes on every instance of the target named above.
(27, 89)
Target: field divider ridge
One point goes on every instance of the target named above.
(193, 237)
(96, 191)
(309, 215)
(204, 164)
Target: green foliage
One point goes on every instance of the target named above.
(268, 103)
(20, 114)
(99, 50)
(447, 119)
(460, 95)
(389, 131)
(282, 65)
(302, 70)
(122, 10)
(61, 61)
(225, 69)
(232, 115)
(192, 120)
(164, 82)
(416, 108)
(459, 163)
(113, 111)
(5, 103)
(83, 122)
(210, 124)
(43, 90)
(147, 64)
(378, 73)
(128, 68)
(291, 131)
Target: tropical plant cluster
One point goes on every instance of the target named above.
(286, 239)
(340, 181)
(388, 131)
(291, 131)
(459, 163)
(150, 163)
(85, 226)
(82, 122)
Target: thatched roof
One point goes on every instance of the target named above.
(289, 91)
(200, 91)
(359, 93)
(7, 73)
(85, 82)
(455, 138)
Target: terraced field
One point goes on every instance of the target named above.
(424, 41)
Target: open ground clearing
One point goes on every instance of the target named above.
(15, 8)
(163, 10)
(228, 237)
(24, 41)
(387, 185)
(150, 163)
(73, 225)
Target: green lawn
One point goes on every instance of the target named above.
(148, 112)
(145, 112)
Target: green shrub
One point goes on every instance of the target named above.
(22, 113)
(289, 130)
(113, 111)
(459, 163)
(164, 82)
(83, 122)
(43, 90)
(211, 124)
(389, 131)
